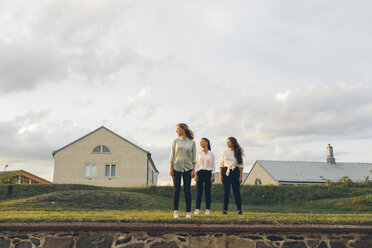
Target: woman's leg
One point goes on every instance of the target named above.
(226, 190)
(199, 188)
(187, 189)
(176, 188)
(208, 185)
(236, 188)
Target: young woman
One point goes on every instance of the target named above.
(182, 163)
(231, 172)
(205, 167)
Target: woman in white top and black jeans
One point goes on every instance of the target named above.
(231, 172)
(205, 167)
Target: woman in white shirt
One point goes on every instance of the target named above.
(231, 172)
(205, 167)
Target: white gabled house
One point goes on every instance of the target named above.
(104, 158)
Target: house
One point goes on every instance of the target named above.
(303, 172)
(23, 177)
(104, 158)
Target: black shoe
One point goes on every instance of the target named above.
(240, 212)
(224, 212)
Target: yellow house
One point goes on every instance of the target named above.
(104, 158)
(22, 177)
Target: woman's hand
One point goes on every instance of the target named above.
(171, 173)
(212, 178)
(240, 179)
(221, 178)
(196, 178)
(192, 173)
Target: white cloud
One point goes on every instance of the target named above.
(283, 96)
(140, 95)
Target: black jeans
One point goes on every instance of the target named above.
(186, 188)
(233, 180)
(204, 177)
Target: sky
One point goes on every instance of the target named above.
(286, 78)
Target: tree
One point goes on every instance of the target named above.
(6, 178)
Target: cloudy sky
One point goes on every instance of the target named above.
(285, 77)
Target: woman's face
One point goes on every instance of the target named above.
(230, 144)
(180, 131)
(203, 143)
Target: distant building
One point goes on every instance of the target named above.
(24, 177)
(104, 158)
(302, 172)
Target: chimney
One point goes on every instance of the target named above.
(330, 157)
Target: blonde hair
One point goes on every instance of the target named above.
(189, 133)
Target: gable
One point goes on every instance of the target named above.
(100, 136)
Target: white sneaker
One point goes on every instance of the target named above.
(207, 211)
(197, 211)
(175, 214)
(188, 215)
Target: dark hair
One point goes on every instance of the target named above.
(238, 151)
(189, 133)
(209, 143)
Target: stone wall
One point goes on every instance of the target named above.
(158, 235)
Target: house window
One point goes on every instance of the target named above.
(90, 170)
(110, 170)
(101, 149)
(258, 181)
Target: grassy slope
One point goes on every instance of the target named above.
(261, 204)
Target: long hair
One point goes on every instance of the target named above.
(238, 151)
(209, 143)
(189, 133)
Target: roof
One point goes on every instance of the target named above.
(27, 174)
(103, 127)
(312, 172)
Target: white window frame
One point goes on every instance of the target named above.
(110, 172)
(92, 173)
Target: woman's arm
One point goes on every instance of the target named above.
(171, 159)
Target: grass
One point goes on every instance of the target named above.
(315, 204)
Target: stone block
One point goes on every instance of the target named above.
(312, 243)
(94, 241)
(295, 237)
(252, 237)
(294, 244)
(337, 244)
(262, 244)
(123, 241)
(23, 245)
(201, 241)
(4, 243)
(35, 241)
(164, 244)
(58, 242)
(237, 242)
(275, 238)
(363, 244)
(323, 244)
(136, 245)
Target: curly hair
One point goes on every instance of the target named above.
(238, 151)
(189, 133)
